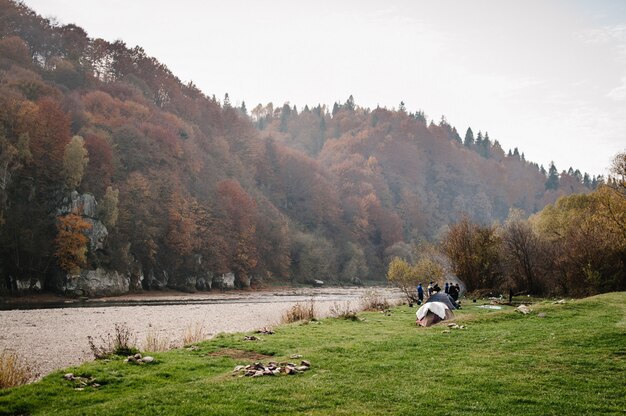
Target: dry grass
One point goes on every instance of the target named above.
(193, 333)
(373, 300)
(343, 311)
(155, 342)
(300, 312)
(122, 342)
(14, 371)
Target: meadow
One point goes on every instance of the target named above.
(561, 359)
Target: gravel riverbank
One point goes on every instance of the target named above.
(51, 339)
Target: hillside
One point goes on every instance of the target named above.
(187, 188)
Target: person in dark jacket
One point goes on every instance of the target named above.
(453, 292)
(446, 288)
(420, 294)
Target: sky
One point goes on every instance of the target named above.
(545, 76)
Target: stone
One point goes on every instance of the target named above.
(541, 315)
(239, 368)
(523, 309)
(251, 338)
(447, 331)
(156, 281)
(204, 282)
(81, 204)
(95, 283)
(295, 356)
(147, 359)
(69, 376)
(97, 234)
(302, 368)
(305, 363)
(318, 283)
(224, 282)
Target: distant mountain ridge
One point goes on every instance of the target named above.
(190, 188)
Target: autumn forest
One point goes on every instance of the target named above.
(109, 162)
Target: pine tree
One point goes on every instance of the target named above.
(469, 137)
(553, 177)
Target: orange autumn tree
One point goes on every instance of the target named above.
(71, 243)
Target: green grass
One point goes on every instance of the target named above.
(572, 362)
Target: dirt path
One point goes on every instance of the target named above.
(52, 339)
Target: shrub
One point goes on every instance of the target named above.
(13, 371)
(343, 311)
(372, 300)
(123, 342)
(300, 312)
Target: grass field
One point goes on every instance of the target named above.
(570, 362)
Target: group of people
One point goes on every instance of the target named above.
(433, 287)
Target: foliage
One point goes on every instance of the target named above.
(573, 355)
(188, 185)
(522, 255)
(14, 371)
(75, 159)
(587, 241)
(473, 252)
(402, 275)
(71, 243)
(108, 209)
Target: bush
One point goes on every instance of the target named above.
(123, 342)
(300, 312)
(13, 371)
(343, 311)
(372, 300)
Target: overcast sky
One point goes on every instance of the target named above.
(546, 76)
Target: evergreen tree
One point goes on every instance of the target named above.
(349, 105)
(402, 107)
(469, 138)
(553, 177)
(586, 180)
(455, 136)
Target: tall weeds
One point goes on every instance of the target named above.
(300, 312)
(122, 342)
(373, 300)
(193, 333)
(14, 371)
(155, 342)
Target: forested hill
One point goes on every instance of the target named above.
(188, 187)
